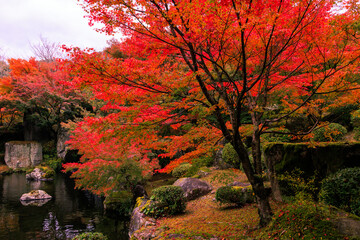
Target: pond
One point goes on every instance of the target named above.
(67, 214)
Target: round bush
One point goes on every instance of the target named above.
(166, 200)
(342, 190)
(355, 118)
(230, 156)
(330, 133)
(234, 194)
(181, 170)
(90, 236)
(277, 137)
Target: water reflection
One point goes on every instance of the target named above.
(67, 214)
(37, 203)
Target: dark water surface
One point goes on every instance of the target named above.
(67, 214)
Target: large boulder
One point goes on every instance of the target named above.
(142, 226)
(193, 187)
(35, 195)
(22, 154)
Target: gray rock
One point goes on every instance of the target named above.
(140, 221)
(348, 226)
(219, 163)
(37, 175)
(22, 154)
(35, 195)
(193, 187)
(61, 147)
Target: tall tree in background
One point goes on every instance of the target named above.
(36, 90)
(240, 56)
(45, 50)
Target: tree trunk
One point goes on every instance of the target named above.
(257, 183)
(264, 209)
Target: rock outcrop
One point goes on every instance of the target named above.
(141, 226)
(61, 147)
(193, 187)
(38, 175)
(22, 154)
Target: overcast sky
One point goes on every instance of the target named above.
(22, 22)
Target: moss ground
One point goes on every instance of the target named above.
(205, 218)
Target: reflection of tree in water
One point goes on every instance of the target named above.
(53, 230)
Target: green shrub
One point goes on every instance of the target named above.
(230, 156)
(49, 172)
(199, 164)
(49, 148)
(165, 200)
(357, 133)
(295, 184)
(342, 190)
(181, 170)
(120, 202)
(53, 162)
(355, 118)
(301, 220)
(90, 236)
(277, 137)
(329, 133)
(235, 194)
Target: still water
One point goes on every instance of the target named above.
(67, 214)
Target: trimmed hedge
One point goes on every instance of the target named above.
(230, 156)
(181, 170)
(165, 200)
(234, 195)
(330, 133)
(355, 119)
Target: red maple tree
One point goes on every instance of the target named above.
(211, 62)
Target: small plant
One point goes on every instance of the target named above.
(295, 184)
(234, 195)
(329, 133)
(357, 133)
(181, 170)
(53, 161)
(165, 200)
(342, 190)
(301, 220)
(90, 236)
(230, 156)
